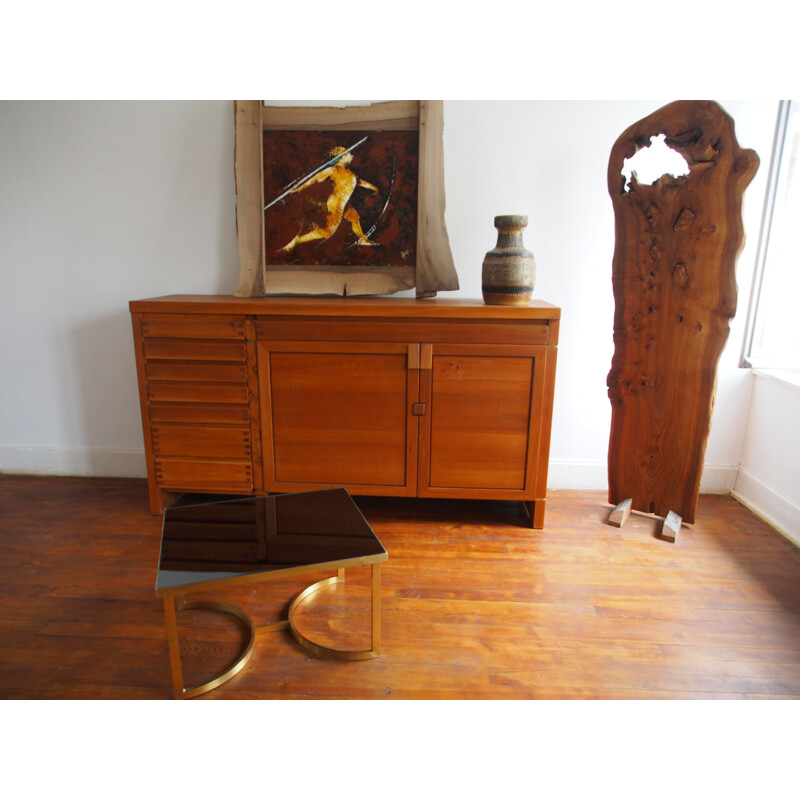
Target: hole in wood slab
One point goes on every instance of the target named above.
(652, 162)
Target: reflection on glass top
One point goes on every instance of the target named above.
(205, 538)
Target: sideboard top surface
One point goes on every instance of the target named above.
(346, 307)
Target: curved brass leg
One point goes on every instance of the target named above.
(331, 652)
(226, 675)
(171, 607)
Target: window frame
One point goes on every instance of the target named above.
(783, 127)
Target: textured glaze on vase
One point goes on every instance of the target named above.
(509, 270)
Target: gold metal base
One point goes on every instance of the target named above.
(170, 610)
(179, 689)
(321, 650)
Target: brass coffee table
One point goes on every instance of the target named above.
(213, 543)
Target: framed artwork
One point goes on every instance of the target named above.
(341, 201)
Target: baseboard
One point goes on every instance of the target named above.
(105, 462)
(718, 478)
(572, 474)
(110, 462)
(777, 511)
(593, 476)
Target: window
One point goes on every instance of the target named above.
(773, 331)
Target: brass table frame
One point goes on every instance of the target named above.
(174, 602)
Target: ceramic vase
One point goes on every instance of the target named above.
(509, 270)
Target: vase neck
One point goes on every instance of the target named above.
(509, 237)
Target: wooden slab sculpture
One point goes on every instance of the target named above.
(677, 243)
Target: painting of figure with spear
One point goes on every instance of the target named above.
(315, 182)
(344, 183)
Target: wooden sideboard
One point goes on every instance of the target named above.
(422, 398)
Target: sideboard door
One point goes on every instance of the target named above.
(339, 414)
(481, 433)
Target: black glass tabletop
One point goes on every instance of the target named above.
(212, 537)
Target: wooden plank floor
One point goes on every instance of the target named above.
(475, 605)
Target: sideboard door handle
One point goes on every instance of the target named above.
(413, 356)
(426, 356)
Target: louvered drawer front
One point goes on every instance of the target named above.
(198, 393)
(204, 475)
(200, 371)
(161, 349)
(191, 412)
(199, 401)
(205, 441)
(192, 326)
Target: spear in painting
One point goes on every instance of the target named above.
(313, 172)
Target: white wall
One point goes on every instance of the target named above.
(100, 203)
(549, 160)
(769, 479)
(104, 202)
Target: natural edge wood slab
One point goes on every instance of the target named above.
(677, 242)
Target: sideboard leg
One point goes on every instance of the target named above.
(535, 509)
(160, 500)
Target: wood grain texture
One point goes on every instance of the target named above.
(338, 282)
(677, 242)
(254, 411)
(339, 416)
(155, 496)
(474, 605)
(388, 116)
(193, 326)
(322, 393)
(436, 269)
(196, 380)
(482, 418)
(393, 330)
(385, 307)
(481, 428)
(248, 170)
